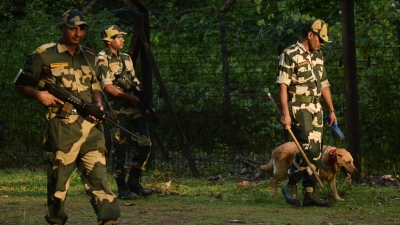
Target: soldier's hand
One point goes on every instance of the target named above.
(48, 99)
(146, 113)
(98, 105)
(286, 121)
(332, 118)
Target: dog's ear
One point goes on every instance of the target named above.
(337, 164)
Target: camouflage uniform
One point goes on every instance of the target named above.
(305, 75)
(302, 78)
(127, 152)
(75, 142)
(129, 155)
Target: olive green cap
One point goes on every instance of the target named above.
(110, 32)
(73, 18)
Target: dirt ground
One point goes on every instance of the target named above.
(141, 211)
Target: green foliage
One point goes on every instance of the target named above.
(21, 120)
(187, 42)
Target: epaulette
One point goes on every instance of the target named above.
(43, 48)
(126, 55)
(88, 50)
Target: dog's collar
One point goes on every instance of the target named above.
(332, 158)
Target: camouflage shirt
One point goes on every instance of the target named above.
(110, 65)
(53, 63)
(303, 73)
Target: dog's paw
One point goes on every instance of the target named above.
(339, 199)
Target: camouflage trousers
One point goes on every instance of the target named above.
(307, 127)
(127, 151)
(70, 144)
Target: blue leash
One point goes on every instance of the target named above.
(336, 129)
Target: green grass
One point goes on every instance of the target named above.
(198, 201)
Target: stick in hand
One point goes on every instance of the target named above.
(295, 140)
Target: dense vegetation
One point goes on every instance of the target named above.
(216, 91)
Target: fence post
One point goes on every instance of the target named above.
(141, 40)
(350, 71)
(225, 70)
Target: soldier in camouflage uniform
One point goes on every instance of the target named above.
(302, 81)
(71, 141)
(129, 155)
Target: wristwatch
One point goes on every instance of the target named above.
(331, 111)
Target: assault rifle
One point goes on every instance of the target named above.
(80, 105)
(123, 81)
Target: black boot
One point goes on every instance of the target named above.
(134, 185)
(123, 192)
(311, 199)
(290, 193)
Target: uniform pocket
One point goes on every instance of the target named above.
(302, 124)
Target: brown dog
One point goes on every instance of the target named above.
(333, 160)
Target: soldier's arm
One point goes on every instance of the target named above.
(43, 97)
(283, 99)
(326, 95)
(119, 93)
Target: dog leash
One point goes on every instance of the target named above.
(336, 129)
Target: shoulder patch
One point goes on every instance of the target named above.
(44, 47)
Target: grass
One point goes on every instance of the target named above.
(198, 201)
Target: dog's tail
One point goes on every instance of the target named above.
(268, 167)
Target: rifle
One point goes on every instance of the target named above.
(82, 106)
(123, 81)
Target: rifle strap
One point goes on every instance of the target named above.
(95, 78)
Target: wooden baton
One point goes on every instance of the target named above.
(298, 145)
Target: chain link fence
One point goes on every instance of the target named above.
(215, 69)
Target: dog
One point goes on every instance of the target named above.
(332, 160)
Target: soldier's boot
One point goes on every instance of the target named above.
(123, 191)
(134, 185)
(290, 193)
(311, 199)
